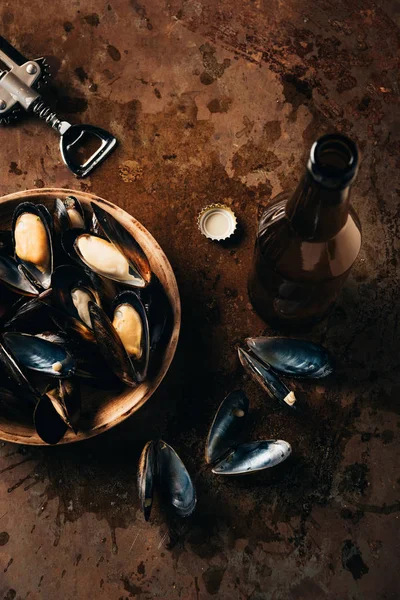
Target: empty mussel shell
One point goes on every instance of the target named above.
(175, 482)
(268, 380)
(14, 276)
(147, 477)
(101, 256)
(227, 426)
(159, 310)
(124, 241)
(292, 357)
(15, 378)
(50, 427)
(131, 323)
(66, 399)
(33, 241)
(37, 354)
(110, 346)
(253, 456)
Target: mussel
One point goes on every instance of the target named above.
(72, 291)
(268, 379)
(226, 454)
(14, 276)
(33, 242)
(66, 400)
(30, 315)
(68, 214)
(292, 357)
(49, 425)
(40, 355)
(160, 465)
(16, 378)
(125, 342)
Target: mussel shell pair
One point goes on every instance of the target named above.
(139, 271)
(19, 274)
(226, 454)
(160, 465)
(289, 357)
(127, 368)
(68, 214)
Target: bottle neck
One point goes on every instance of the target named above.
(315, 212)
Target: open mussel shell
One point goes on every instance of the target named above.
(227, 426)
(40, 355)
(147, 477)
(110, 346)
(253, 456)
(124, 241)
(159, 311)
(292, 357)
(72, 292)
(175, 482)
(49, 425)
(268, 380)
(101, 256)
(33, 242)
(66, 399)
(14, 276)
(68, 214)
(131, 323)
(15, 377)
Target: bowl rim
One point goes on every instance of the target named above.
(172, 291)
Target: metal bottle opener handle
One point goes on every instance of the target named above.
(19, 84)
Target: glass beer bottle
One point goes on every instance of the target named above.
(308, 241)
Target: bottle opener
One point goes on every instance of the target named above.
(19, 84)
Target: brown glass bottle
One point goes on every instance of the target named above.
(308, 241)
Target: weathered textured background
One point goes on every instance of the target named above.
(220, 101)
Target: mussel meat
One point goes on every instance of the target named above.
(40, 355)
(227, 426)
(268, 380)
(292, 357)
(160, 465)
(33, 242)
(253, 456)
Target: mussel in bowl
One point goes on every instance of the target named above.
(68, 214)
(33, 242)
(124, 342)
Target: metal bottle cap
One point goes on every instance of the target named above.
(217, 222)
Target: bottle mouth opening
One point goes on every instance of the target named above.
(334, 160)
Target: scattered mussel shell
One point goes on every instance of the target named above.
(49, 425)
(14, 276)
(33, 242)
(72, 291)
(160, 466)
(68, 214)
(66, 399)
(146, 477)
(101, 256)
(292, 357)
(268, 379)
(226, 454)
(124, 241)
(37, 354)
(227, 425)
(253, 456)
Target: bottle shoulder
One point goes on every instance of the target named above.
(290, 254)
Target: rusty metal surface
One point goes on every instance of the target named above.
(220, 101)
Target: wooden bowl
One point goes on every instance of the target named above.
(101, 410)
